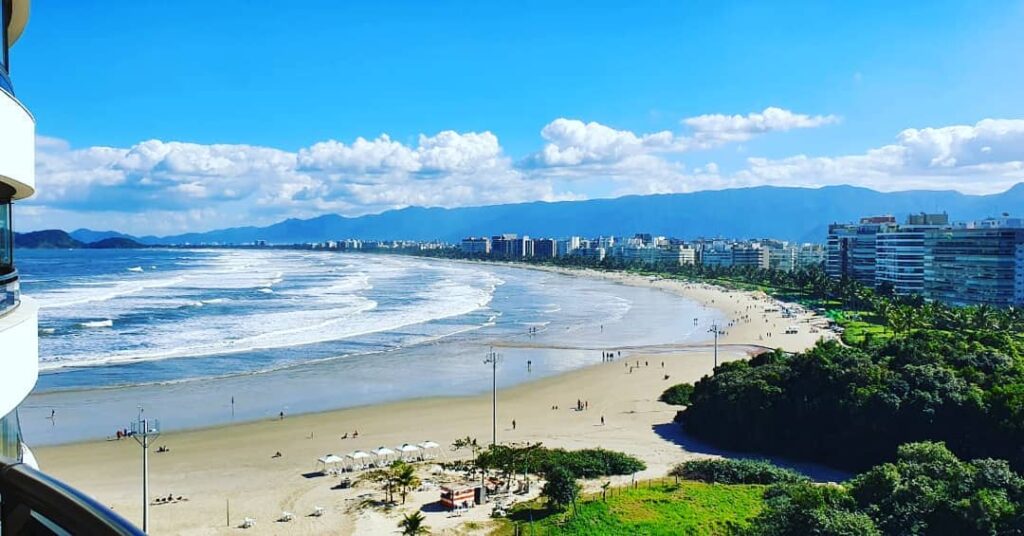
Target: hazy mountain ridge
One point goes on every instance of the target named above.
(798, 214)
(57, 239)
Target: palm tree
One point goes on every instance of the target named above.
(982, 317)
(405, 478)
(412, 524)
(383, 477)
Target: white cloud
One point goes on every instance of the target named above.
(167, 187)
(571, 142)
(715, 129)
(982, 158)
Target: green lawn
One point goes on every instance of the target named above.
(684, 508)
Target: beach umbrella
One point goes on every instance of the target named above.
(359, 455)
(327, 460)
(408, 450)
(383, 453)
(429, 446)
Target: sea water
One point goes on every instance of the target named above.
(206, 336)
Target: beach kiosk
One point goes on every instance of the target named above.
(455, 497)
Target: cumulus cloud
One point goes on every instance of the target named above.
(165, 187)
(713, 129)
(571, 142)
(981, 158)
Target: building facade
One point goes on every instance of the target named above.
(19, 345)
(899, 253)
(974, 266)
(476, 245)
(852, 249)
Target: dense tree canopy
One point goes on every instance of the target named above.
(852, 407)
(926, 491)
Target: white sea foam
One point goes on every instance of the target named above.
(97, 324)
(135, 269)
(317, 305)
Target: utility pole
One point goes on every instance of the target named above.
(143, 430)
(714, 329)
(492, 360)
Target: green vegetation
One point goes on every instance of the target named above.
(586, 463)
(662, 509)
(926, 491)
(851, 407)
(678, 395)
(399, 477)
(728, 471)
(412, 524)
(561, 488)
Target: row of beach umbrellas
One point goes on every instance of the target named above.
(379, 454)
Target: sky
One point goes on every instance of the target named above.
(160, 118)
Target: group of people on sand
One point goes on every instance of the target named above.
(610, 356)
(355, 434)
(123, 433)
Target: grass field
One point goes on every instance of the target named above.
(685, 508)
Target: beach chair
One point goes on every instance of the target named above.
(248, 523)
(286, 517)
(318, 511)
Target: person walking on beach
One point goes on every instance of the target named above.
(602, 420)
(513, 424)
(280, 416)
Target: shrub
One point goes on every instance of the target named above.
(591, 463)
(725, 471)
(677, 395)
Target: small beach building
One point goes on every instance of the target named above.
(453, 497)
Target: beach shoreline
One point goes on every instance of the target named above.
(232, 463)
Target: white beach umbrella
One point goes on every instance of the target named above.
(428, 445)
(408, 450)
(359, 455)
(329, 459)
(383, 453)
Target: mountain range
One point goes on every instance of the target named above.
(795, 214)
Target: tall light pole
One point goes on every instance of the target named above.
(714, 329)
(492, 360)
(143, 430)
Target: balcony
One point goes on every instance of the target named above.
(17, 146)
(19, 354)
(32, 502)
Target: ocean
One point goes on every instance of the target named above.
(205, 337)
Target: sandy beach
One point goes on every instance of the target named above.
(232, 467)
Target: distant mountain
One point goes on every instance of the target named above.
(797, 214)
(115, 242)
(57, 239)
(51, 239)
(87, 236)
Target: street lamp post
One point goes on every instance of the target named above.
(143, 430)
(714, 329)
(492, 360)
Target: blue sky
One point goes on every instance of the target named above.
(210, 114)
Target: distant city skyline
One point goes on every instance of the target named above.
(164, 122)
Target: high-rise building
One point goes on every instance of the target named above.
(503, 245)
(568, 246)
(545, 248)
(750, 255)
(975, 265)
(476, 245)
(899, 253)
(810, 255)
(851, 248)
(19, 345)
